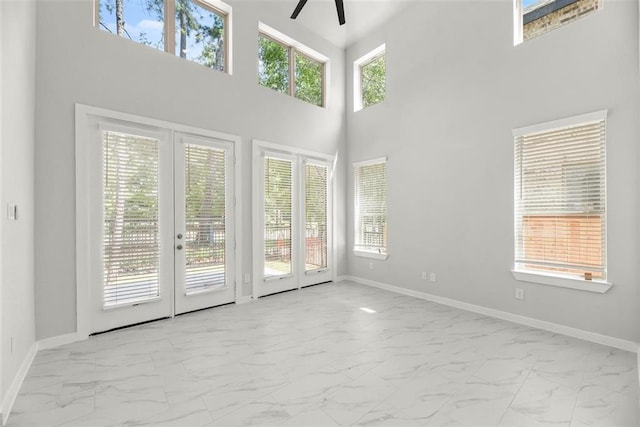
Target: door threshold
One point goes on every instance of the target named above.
(128, 326)
(205, 308)
(295, 289)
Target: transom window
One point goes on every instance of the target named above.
(199, 32)
(370, 78)
(287, 66)
(560, 203)
(370, 208)
(536, 17)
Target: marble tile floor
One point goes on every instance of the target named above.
(314, 358)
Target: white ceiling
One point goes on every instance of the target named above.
(362, 16)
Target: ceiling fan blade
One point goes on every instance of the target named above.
(298, 8)
(340, 8)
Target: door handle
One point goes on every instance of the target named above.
(179, 236)
(179, 247)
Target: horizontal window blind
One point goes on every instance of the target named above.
(316, 193)
(278, 209)
(131, 247)
(370, 187)
(205, 218)
(560, 205)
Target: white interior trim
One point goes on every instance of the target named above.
(14, 389)
(83, 114)
(59, 340)
(638, 353)
(283, 38)
(373, 255)
(561, 123)
(517, 22)
(244, 299)
(237, 210)
(292, 151)
(597, 286)
(515, 318)
(369, 162)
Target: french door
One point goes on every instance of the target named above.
(204, 239)
(163, 244)
(292, 220)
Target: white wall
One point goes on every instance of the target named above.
(456, 88)
(78, 63)
(17, 86)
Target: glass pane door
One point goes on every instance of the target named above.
(278, 209)
(131, 247)
(133, 282)
(316, 224)
(278, 224)
(204, 245)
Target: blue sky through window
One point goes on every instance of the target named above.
(144, 23)
(141, 24)
(527, 3)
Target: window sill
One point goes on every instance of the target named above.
(373, 255)
(597, 286)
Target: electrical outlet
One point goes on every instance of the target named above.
(519, 293)
(370, 266)
(432, 277)
(424, 275)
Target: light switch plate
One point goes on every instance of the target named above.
(12, 212)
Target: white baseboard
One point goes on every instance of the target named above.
(515, 318)
(53, 342)
(16, 384)
(341, 278)
(243, 300)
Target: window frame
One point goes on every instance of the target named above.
(357, 251)
(358, 65)
(169, 26)
(294, 47)
(518, 18)
(548, 277)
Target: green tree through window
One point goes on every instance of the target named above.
(278, 63)
(308, 79)
(374, 87)
(273, 65)
(200, 29)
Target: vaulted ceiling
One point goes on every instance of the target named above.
(362, 17)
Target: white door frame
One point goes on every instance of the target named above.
(288, 281)
(85, 127)
(151, 309)
(185, 303)
(259, 149)
(308, 278)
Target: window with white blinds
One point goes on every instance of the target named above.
(131, 247)
(560, 203)
(278, 210)
(205, 197)
(316, 198)
(370, 191)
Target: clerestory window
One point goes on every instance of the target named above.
(370, 78)
(536, 17)
(196, 30)
(289, 67)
